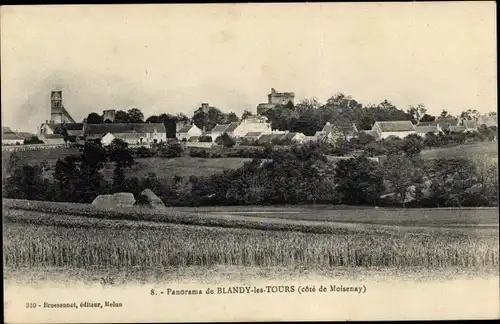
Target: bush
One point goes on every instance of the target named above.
(144, 152)
(170, 150)
(205, 139)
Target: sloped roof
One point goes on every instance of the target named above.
(456, 128)
(58, 127)
(26, 135)
(128, 136)
(289, 136)
(270, 137)
(488, 120)
(232, 127)
(94, 129)
(253, 134)
(444, 122)
(220, 128)
(185, 129)
(330, 128)
(429, 123)
(470, 124)
(7, 130)
(63, 109)
(52, 136)
(395, 126)
(426, 129)
(12, 136)
(371, 133)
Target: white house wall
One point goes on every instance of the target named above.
(245, 128)
(397, 134)
(12, 141)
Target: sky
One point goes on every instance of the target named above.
(166, 58)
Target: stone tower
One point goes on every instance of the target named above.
(108, 116)
(58, 114)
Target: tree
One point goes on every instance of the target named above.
(359, 181)
(208, 120)
(412, 145)
(15, 160)
(431, 140)
(451, 181)
(470, 114)
(121, 117)
(225, 140)
(444, 114)
(33, 140)
(90, 180)
(402, 174)
(427, 118)
(94, 118)
(135, 115)
(66, 174)
(119, 153)
(232, 118)
(205, 139)
(416, 112)
(246, 114)
(487, 172)
(26, 183)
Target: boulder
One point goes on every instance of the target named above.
(149, 199)
(121, 199)
(124, 199)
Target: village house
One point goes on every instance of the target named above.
(188, 131)
(372, 133)
(423, 130)
(456, 129)
(56, 133)
(251, 136)
(131, 133)
(447, 122)
(252, 124)
(270, 138)
(293, 137)
(220, 129)
(331, 133)
(469, 125)
(10, 137)
(488, 121)
(309, 139)
(399, 129)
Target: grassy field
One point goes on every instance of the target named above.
(36, 156)
(182, 166)
(463, 151)
(186, 166)
(79, 239)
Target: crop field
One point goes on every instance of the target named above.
(307, 219)
(79, 239)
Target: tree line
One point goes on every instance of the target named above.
(296, 175)
(307, 116)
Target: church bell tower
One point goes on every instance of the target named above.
(56, 110)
